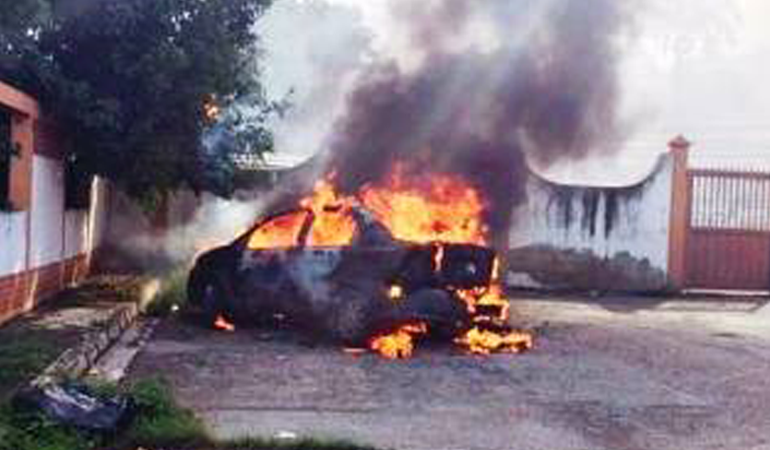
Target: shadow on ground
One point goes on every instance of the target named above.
(618, 303)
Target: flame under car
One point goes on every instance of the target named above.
(357, 284)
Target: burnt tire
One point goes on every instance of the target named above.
(215, 299)
(216, 263)
(445, 314)
(352, 317)
(195, 286)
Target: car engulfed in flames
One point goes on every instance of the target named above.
(377, 271)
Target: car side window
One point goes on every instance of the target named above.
(332, 228)
(280, 232)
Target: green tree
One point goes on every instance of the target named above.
(19, 15)
(19, 21)
(138, 85)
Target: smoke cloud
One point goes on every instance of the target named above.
(475, 88)
(187, 225)
(485, 88)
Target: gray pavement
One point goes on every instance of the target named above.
(610, 374)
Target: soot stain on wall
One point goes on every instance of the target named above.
(609, 203)
(591, 198)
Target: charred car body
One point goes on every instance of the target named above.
(347, 291)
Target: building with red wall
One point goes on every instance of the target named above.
(44, 245)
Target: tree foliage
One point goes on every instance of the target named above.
(19, 18)
(138, 84)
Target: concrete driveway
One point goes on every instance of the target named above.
(611, 374)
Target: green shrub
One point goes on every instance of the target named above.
(35, 432)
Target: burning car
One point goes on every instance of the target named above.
(333, 269)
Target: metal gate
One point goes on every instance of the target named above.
(728, 243)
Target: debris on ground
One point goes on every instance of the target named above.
(77, 405)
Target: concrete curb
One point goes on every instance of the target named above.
(75, 361)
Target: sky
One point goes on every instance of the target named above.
(692, 67)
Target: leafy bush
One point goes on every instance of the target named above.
(35, 432)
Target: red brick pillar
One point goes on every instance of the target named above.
(680, 214)
(22, 137)
(25, 112)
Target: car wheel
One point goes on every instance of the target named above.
(352, 317)
(216, 300)
(195, 285)
(442, 311)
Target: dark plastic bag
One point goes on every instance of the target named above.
(76, 405)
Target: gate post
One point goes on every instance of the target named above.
(679, 148)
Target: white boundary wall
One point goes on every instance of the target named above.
(47, 237)
(13, 242)
(601, 226)
(47, 233)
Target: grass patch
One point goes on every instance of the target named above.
(22, 357)
(101, 288)
(34, 432)
(160, 423)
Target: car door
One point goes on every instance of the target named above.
(264, 278)
(330, 232)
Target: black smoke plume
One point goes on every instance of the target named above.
(493, 85)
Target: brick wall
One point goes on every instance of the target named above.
(23, 291)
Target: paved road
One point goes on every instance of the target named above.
(621, 374)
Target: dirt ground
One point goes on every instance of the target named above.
(623, 373)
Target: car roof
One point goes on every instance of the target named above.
(365, 220)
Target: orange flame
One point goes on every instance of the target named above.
(223, 324)
(491, 298)
(333, 225)
(442, 208)
(495, 311)
(485, 342)
(400, 343)
(281, 232)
